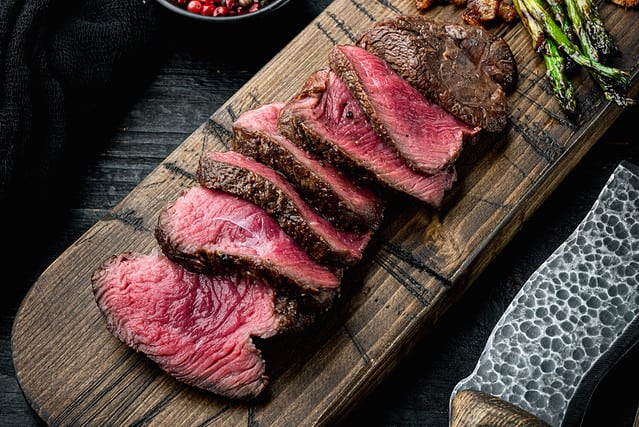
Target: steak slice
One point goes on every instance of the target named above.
(336, 197)
(425, 135)
(465, 69)
(237, 174)
(325, 118)
(196, 327)
(213, 232)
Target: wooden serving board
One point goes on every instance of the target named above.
(74, 372)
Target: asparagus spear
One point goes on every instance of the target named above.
(580, 29)
(557, 7)
(556, 72)
(554, 60)
(597, 33)
(537, 10)
(597, 44)
(611, 80)
(593, 36)
(612, 92)
(533, 27)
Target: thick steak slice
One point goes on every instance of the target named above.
(325, 118)
(345, 204)
(237, 174)
(425, 135)
(213, 232)
(465, 69)
(197, 328)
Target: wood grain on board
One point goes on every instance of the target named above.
(73, 371)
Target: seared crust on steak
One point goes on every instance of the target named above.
(465, 69)
(423, 134)
(334, 195)
(212, 232)
(326, 119)
(219, 262)
(236, 174)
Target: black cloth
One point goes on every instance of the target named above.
(60, 62)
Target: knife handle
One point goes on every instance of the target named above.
(475, 408)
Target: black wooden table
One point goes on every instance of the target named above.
(200, 69)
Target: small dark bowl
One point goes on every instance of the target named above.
(260, 13)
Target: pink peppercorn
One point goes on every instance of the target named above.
(220, 11)
(194, 6)
(207, 9)
(220, 7)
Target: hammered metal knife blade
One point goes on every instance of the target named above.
(572, 319)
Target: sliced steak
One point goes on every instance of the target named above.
(422, 133)
(196, 327)
(345, 204)
(465, 69)
(237, 174)
(325, 118)
(213, 232)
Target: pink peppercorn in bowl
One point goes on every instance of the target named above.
(222, 10)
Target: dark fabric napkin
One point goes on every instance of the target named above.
(60, 62)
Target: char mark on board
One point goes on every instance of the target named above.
(389, 5)
(326, 33)
(231, 112)
(359, 6)
(420, 293)
(522, 173)
(224, 135)
(156, 409)
(211, 420)
(128, 217)
(545, 145)
(358, 346)
(342, 26)
(171, 166)
(403, 254)
(561, 118)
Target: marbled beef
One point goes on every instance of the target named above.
(237, 174)
(196, 327)
(325, 118)
(337, 198)
(425, 135)
(210, 231)
(465, 69)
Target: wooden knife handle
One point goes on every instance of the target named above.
(475, 408)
